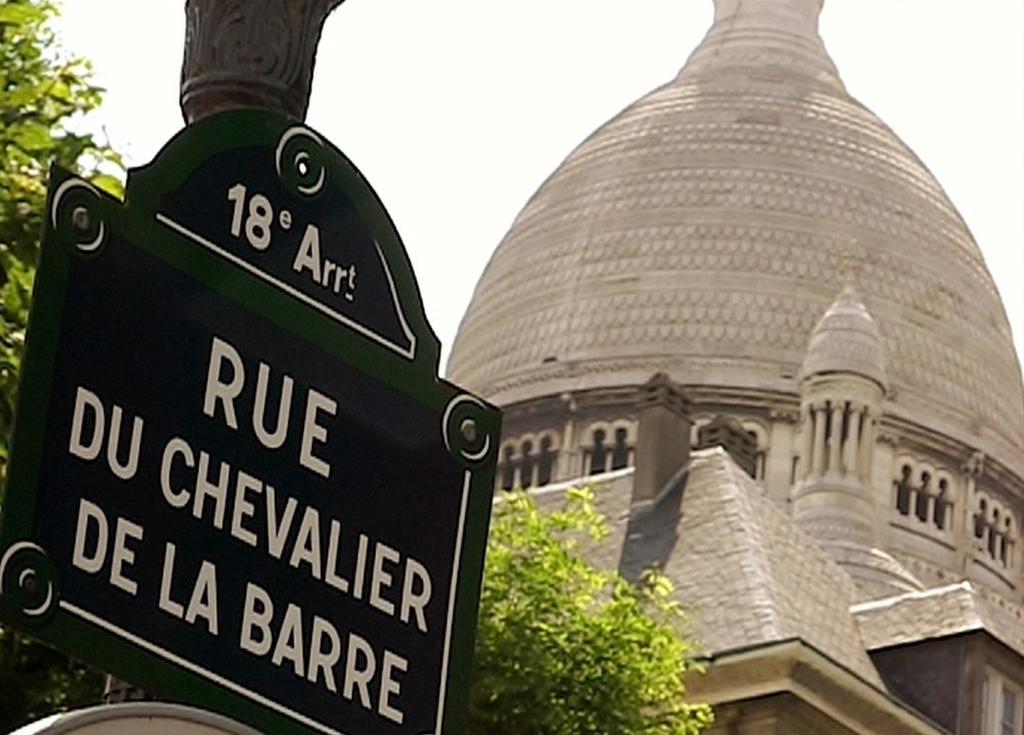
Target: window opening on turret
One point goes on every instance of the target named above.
(545, 462)
(921, 504)
(598, 453)
(847, 417)
(620, 451)
(829, 438)
(1004, 542)
(759, 457)
(903, 490)
(526, 464)
(979, 519)
(941, 502)
(993, 534)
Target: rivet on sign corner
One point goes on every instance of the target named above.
(468, 429)
(80, 219)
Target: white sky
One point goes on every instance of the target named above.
(457, 110)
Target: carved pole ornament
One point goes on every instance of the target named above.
(250, 53)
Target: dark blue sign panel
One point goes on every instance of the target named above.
(237, 480)
(301, 233)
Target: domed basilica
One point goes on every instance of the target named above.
(749, 314)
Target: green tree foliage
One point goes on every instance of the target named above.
(42, 93)
(564, 649)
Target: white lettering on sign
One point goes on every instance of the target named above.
(216, 388)
(316, 402)
(381, 579)
(253, 218)
(122, 556)
(91, 558)
(367, 676)
(274, 439)
(323, 272)
(203, 599)
(222, 393)
(90, 515)
(88, 404)
(393, 583)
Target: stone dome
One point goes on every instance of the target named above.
(705, 228)
(846, 340)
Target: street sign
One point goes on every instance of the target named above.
(237, 480)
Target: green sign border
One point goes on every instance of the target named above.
(29, 590)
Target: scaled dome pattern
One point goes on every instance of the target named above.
(705, 229)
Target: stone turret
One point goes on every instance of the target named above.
(842, 384)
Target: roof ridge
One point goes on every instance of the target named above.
(783, 621)
(735, 485)
(884, 602)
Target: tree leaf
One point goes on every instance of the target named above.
(111, 184)
(31, 136)
(17, 14)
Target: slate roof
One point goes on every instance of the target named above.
(940, 612)
(746, 573)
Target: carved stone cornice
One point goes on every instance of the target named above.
(889, 438)
(250, 53)
(974, 465)
(786, 415)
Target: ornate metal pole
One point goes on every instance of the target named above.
(250, 53)
(244, 54)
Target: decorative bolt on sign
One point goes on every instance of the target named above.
(237, 480)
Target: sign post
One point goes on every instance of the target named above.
(236, 478)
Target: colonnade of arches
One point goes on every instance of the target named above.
(925, 493)
(531, 459)
(994, 530)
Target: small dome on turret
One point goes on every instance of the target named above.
(846, 340)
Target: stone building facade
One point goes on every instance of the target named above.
(760, 238)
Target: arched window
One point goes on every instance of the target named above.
(1004, 541)
(759, 441)
(508, 469)
(921, 505)
(526, 464)
(979, 519)
(545, 462)
(620, 450)
(903, 490)
(847, 416)
(993, 534)
(598, 453)
(941, 503)
(1009, 540)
